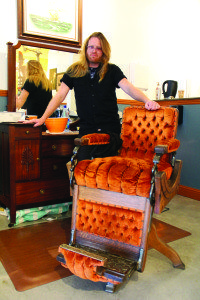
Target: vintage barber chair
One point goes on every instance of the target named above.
(114, 199)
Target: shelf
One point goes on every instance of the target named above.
(164, 102)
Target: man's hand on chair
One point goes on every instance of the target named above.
(152, 105)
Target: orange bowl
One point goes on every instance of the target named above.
(56, 125)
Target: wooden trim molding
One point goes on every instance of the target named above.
(164, 102)
(189, 192)
(3, 93)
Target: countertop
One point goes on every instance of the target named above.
(164, 102)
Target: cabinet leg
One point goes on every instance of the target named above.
(12, 216)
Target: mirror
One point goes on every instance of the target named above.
(54, 62)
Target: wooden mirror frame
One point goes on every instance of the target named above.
(11, 105)
(35, 41)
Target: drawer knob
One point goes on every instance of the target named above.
(54, 147)
(27, 131)
(42, 191)
(38, 159)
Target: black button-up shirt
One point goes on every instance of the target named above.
(96, 102)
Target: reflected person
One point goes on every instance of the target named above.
(36, 91)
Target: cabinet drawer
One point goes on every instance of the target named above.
(57, 147)
(41, 191)
(54, 167)
(27, 132)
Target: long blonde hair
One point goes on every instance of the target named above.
(81, 68)
(36, 74)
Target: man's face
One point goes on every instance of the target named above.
(94, 52)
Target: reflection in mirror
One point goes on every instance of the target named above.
(54, 63)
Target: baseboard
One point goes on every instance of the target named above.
(189, 192)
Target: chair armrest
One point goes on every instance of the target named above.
(167, 146)
(165, 189)
(89, 139)
(93, 139)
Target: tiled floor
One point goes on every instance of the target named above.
(158, 281)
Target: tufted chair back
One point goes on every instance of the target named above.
(142, 130)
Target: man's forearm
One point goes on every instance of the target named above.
(137, 94)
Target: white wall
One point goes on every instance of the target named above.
(8, 33)
(159, 34)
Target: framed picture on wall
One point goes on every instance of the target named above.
(58, 22)
(59, 76)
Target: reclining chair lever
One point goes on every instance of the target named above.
(173, 159)
(72, 238)
(154, 170)
(140, 259)
(73, 164)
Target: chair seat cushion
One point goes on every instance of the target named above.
(118, 174)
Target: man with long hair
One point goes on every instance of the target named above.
(36, 91)
(94, 81)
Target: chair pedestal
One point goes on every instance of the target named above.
(155, 242)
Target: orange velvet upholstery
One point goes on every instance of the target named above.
(116, 223)
(83, 266)
(142, 130)
(130, 172)
(94, 139)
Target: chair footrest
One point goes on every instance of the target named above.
(84, 252)
(114, 267)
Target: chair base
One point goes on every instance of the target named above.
(155, 242)
(110, 287)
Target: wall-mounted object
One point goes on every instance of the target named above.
(58, 23)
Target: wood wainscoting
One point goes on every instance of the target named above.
(163, 102)
(3, 93)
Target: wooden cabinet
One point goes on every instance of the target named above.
(33, 166)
